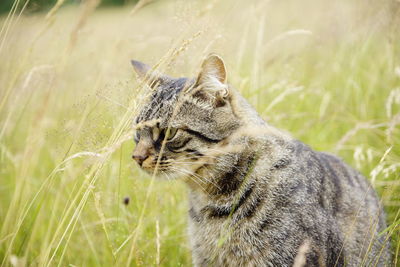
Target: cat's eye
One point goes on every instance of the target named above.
(170, 133)
(136, 137)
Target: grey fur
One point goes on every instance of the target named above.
(256, 194)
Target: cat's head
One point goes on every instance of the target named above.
(184, 119)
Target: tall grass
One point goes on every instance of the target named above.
(70, 195)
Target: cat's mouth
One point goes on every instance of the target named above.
(153, 165)
(170, 168)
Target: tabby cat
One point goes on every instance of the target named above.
(256, 195)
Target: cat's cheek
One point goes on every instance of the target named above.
(148, 164)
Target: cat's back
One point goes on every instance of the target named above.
(350, 200)
(336, 179)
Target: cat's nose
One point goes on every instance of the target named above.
(141, 151)
(140, 158)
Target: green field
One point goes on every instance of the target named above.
(328, 72)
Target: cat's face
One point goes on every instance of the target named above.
(184, 121)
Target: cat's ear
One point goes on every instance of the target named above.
(212, 77)
(153, 78)
(212, 69)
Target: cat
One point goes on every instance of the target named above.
(256, 195)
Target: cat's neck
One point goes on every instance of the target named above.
(223, 180)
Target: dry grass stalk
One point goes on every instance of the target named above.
(52, 12)
(158, 244)
(139, 5)
(359, 126)
(88, 6)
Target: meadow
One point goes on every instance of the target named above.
(327, 72)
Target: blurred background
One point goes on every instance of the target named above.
(328, 72)
(45, 5)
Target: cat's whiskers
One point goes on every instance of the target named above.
(198, 176)
(194, 180)
(205, 178)
(221, 159)
(168, 176)
(186, 172)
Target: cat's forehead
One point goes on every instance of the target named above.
(160, 105)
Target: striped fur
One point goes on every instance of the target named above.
(256, 194)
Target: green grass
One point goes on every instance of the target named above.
(328, 73)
